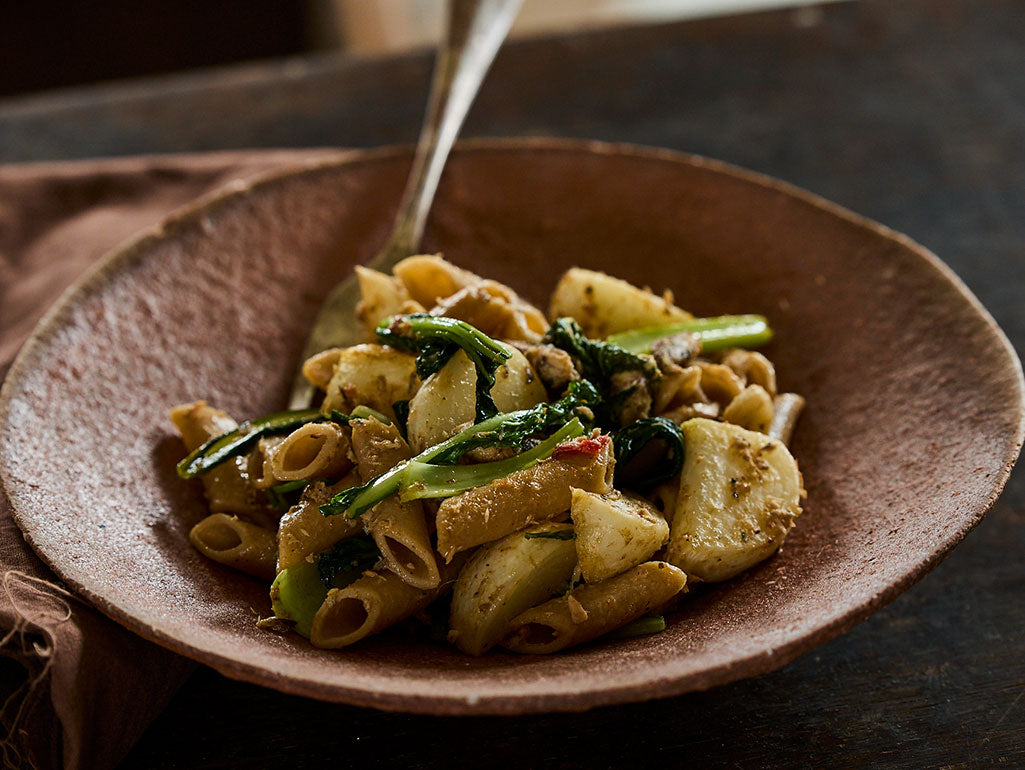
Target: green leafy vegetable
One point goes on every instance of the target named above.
(356, 500)
(597, 361)
(347, 560)
(238, 441)
(516, 429)
(423, 480)
(363, 412)
(510, 429)
(435, 339)
(625, 379)
(283, 496)
(401, 409)
(562, 534)
(727, 331)
(652, 624)
(648, 452)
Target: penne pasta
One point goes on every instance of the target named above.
(525, 497)
(317, 450)
(719, 383)
(591, 611)
(398, 490)
(751, 408)
(318, 369)
(236, 543)
(755, 368)
(372, 603)
(496, 310)
(428, 278)
(304, 530)
(788, 407)
(398, 528)
(229, 488)
(382, 296)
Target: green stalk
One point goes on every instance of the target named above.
(725, 331)
(652, 624)
(363, 412)
(360, 499)
(238, 441)
(423, 480)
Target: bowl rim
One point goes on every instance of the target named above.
(395, 699)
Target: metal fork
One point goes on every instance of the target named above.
(473, 35)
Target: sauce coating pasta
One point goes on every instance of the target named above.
(524, 481)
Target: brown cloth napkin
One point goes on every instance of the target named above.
(76, 689)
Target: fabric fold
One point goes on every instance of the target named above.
(77, 689)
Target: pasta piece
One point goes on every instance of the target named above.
(228, 487)
(316, 450)
(678, 386)
(374, 375)
(236, 543)
(382, 296)
(428, 278)
(318, 368)
(720, 383)
(664, 496)
(496, 310)
(261, 474)
(614, 532)
(372, 603)
(446, 401)
(788, 408)
(590, 611)
(503, 579)
(398, 528)
(520, 499)
(755, 368)
(740, 493)
(604, 305)
(304, 530)
(751, 408)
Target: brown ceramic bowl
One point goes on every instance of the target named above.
(914, 404)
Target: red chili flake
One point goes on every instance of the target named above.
(587, 446)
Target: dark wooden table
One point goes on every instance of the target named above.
(912, 113)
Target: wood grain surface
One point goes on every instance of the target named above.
(910, 113)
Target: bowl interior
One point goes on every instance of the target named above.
(914, 404)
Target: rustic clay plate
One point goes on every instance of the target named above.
(913, 423)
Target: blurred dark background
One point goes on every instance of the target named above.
(47, 44)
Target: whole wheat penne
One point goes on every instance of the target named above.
(316, 450)
(319, 368)
(520, 499)
(371, 604)
(590, 611)
(236, 543)
(788, 407)
(228, 486)
(304, 530)
(398, 528)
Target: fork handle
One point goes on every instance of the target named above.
(473, 35)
